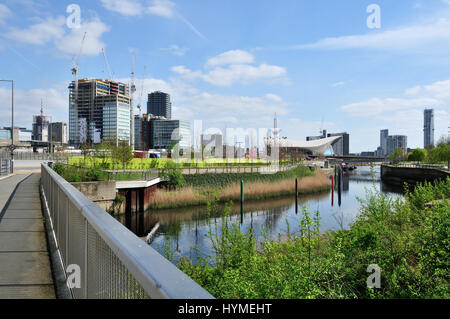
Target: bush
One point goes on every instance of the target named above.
(409, 241)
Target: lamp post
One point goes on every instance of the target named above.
(12, 123)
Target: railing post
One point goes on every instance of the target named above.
(85, 258)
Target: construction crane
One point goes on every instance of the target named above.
(139, 106)
(107, 65)
(133, 90)
(76, 62)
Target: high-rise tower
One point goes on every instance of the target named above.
(428, 127)
(159, 104)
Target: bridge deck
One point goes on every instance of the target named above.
(25, 270)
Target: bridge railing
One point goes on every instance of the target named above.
(4, 167)
(113, 262)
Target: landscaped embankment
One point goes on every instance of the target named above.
(199, 189)
(411, 175)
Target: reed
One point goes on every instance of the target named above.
(190, 196)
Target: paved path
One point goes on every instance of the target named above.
(25, 270)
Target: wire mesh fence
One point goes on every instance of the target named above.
(113, 262)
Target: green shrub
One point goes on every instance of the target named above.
(409, 241)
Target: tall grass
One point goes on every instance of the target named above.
(189, 195)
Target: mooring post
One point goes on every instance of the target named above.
(242, 201)
(339, 185)
(296, 195)
(335, 170)
(332, 191)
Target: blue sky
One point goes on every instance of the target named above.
(234, 63)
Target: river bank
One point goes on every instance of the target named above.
(253, 190)
(402, 237)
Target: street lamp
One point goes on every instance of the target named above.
(12, 123)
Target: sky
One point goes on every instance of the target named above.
(318, 64)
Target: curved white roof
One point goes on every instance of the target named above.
(315, 146)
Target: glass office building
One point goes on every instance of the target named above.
(163, 133)
(116, 121)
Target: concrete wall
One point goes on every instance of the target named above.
(105, 190)
(399, 175)
(101, 193)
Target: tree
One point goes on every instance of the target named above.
(441, 154)
(122, 153)
(397, 155)
(418, 155)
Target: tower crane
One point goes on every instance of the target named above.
(133, 90)
(76, 61)
(107, 64)
(139, 106)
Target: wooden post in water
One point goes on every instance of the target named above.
(296, 195)
(242, 201)
(339, 185)
(332, 191)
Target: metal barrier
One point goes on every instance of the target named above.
(4, 167)
(114, 262)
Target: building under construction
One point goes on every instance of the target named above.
(87, 122)
(40, 127)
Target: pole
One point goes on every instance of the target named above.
(12, 125)
(332, 191)
(296, 196)
(242, 201)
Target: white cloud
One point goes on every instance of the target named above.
(338, 84)
(244, 74)
(440, 89)
(40, 33)
(413, 91)
(175, 50)
(4, 13)
(163, 8)
(93, 45)
(180, 69)
(377, 106)
(124, 7)
(231, 57)
(66, 40)
(404, 38)
(28, 102)
(405, 115)
(232, 67)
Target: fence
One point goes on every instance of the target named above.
(114, 263)
(424, 165)
(37, 156)
(4, 167)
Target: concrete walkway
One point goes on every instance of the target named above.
(25, 270)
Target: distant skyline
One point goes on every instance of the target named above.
(235, 63)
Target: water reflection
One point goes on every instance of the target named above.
(186, 229)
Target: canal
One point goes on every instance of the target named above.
(185, 230)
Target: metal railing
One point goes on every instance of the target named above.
(114, 262)
(423, 165)
(4, 167)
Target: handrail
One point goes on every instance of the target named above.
(157, 276)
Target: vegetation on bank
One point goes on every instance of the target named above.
(109, 163)
(256, 187)
(225, 179)
(436, 155)
(407, 238)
